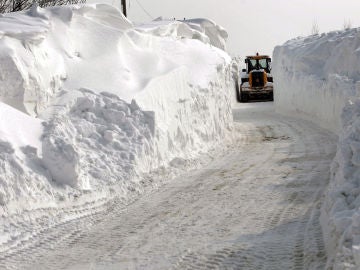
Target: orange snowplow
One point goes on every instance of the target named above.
(256, 79)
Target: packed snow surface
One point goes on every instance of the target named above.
(318, 78)
(90, 104)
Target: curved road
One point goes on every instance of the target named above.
(257, 207)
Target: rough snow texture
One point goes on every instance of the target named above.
(316, 75)
(318, 78)
(341, 210)
(96, 103)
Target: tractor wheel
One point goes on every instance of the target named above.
(271, 96)
(237, 89)
(244, 97)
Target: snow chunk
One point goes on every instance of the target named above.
(19, 130)
(216, 34)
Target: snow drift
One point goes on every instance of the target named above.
(318, 78)
(91, 103)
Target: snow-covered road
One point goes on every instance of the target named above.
(257, 207)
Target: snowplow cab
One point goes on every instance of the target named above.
(256, 79)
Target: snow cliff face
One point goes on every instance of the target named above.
(316, 75)
(317, 78)
(90, 104)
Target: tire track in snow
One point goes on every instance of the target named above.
(277, 253)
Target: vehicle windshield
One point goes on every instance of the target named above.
(258, 64)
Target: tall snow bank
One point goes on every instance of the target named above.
(103, 103)
(316, 75)
(318, 78)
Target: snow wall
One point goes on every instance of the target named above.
(318, 78)
(90, 103)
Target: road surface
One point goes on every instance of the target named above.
(257, 207)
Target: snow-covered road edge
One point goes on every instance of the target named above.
(317, 78)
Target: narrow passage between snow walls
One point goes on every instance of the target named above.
(318, 78)
(94, 107)
(254, 206)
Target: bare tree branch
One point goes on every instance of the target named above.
(315, 28)
(18, 5)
